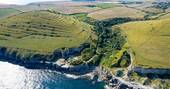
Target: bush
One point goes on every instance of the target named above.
(120, 73)
(147, 82)
(76, 62)
(125, 60)
(132, 75)
(87, 54)
(96, 60)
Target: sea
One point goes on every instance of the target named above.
(17, 77)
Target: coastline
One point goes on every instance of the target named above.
(81, 71)
(77, 70)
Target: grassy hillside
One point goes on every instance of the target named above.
(62, 7)
(117, 12)
(146, 7)
(164, 16)
(150, 41)
(42, 31)
(4, 12)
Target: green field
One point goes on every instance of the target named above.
(4, 12)
(79, 16)
(42, 31)
(150, 41)
(106, 5)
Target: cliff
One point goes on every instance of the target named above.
(33, 56)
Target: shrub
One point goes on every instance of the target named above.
(147, 82)
(120, 73)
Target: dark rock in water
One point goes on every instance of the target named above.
(124, 86)
(2, 51)
(79, 68)
(114, 81)
(57, 54)
(109, 76)
(95, 78)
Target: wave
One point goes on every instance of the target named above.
(72, 76)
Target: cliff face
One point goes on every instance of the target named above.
(46, 61)
(151, 70)
(28, 56)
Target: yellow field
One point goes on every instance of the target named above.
(117, 12)
(80, 9)
(150, 41)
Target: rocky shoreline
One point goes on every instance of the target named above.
(114, 82)
(37, 60)
(111, 81)
(83, 71)
(66, 68)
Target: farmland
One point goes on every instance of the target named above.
(124, 12)
(150, 42)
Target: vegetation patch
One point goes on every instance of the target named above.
(110, 44)
(103, 5)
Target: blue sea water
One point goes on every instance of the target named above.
(17, 77)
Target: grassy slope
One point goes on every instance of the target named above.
(116, 12)
(60, 7)
(4, 12)
(42, 31)
(147, 7)
(166, 16)
(150, 40)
